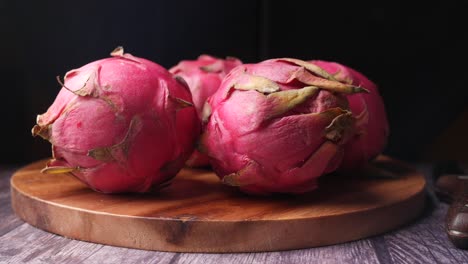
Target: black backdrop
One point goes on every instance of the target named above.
(415, 53)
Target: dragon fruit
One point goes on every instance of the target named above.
(203, 77)
(120, 124)
(372, 131)
(277, 126)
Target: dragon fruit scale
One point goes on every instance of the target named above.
(203, 77)
(372, 131)
(277, 126)
(120, 124)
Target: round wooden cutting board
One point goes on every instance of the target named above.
(199, 214)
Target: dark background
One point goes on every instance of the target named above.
(415, 53)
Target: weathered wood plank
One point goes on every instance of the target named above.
(111, 255)
(425, 240)
(5, 174)
(8, 220)
(240, 258)
(381, 250)
(441, 246)
(354, 252)
(26, 244)
(360, 251)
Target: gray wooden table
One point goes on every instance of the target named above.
(422, 241)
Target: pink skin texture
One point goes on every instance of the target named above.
(372, 130)
(277, 126)
(203, 76)
(120, 124)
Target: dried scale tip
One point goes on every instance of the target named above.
(87, 89)
(258, 83)
(120, 53)
(180, 103)
(231, 180)
(117, 52)
(284, 101)
(310, 67)
(181, 80)
(307, 78)
(215, 67)
(42, 131)
(120, 151)
(241, 177)
(106, 135)
(206, 113)
(58, 166)
(341, 127)
(58, 170)
(358, 89)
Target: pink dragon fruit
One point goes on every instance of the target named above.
(277, 126)
(120, 124)
(203, 77)
(372, 130)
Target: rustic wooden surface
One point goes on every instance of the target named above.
(422, 241)
(198, 214)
